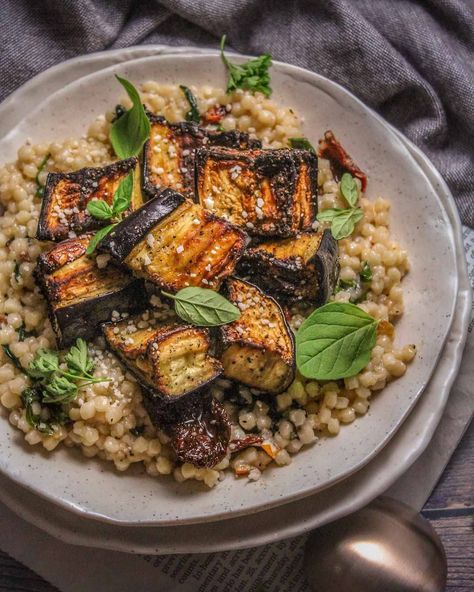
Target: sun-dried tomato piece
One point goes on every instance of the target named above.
(340, 161)
(202, 439)
(197, 425)
(214, 114)
(245, 442)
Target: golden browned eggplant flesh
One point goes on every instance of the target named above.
(168, 158)
(174, 243)
(267, 192)
(169, 359)
(258, 348)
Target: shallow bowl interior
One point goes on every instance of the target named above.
(418, 221)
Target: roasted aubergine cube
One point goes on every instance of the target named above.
(198, 427)
(168, 158)
(168, 359)
(257, 349)
(267, 192)
(80, 294)
(173, 243)
(66, 195)
(304, 268)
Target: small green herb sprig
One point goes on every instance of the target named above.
(56, 416)
(343, 221)
(17, 271)
(251, 75)
(301, 143)
(335, 341)
(358, 286)
(54, 383)
(193, 113)
(366, 272)
(23, 333)
(39, 186)
(101, 210)
(203, 307)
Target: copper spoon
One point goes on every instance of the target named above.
(385, 547)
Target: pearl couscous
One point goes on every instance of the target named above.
(108, 419)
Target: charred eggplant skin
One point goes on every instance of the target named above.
(71, 192)
(291, 279)
(188, 137)
(327, 267)
(262, 344)
(84, 320)
(83, 316)
(135, 227)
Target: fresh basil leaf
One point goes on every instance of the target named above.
(123, 195)
(328, 215)
(335, 342)
(59, 390)
(302, 143)
(366, 272)
(349, 189)
(343, 224)
(77, 359)
(100, 209)
(44, 363)
(39, 186)
(98, 236)
(203, 307)
(252, 75)
(130, 131)
(13, 359)
(193, 113)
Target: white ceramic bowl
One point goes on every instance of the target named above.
(419, 221)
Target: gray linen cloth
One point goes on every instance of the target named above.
(411, 60)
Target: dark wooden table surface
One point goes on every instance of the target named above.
(450, 509)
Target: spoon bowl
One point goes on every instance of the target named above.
(385, 547)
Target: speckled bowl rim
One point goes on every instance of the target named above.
(455, 224)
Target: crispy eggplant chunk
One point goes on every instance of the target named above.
(81, 295)
(66, 195)
(267, 192)
(340, 161)
(169, 359)
(168, 158)
(197, 425)
(173, 243)
(258, 348)
(294, 269)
